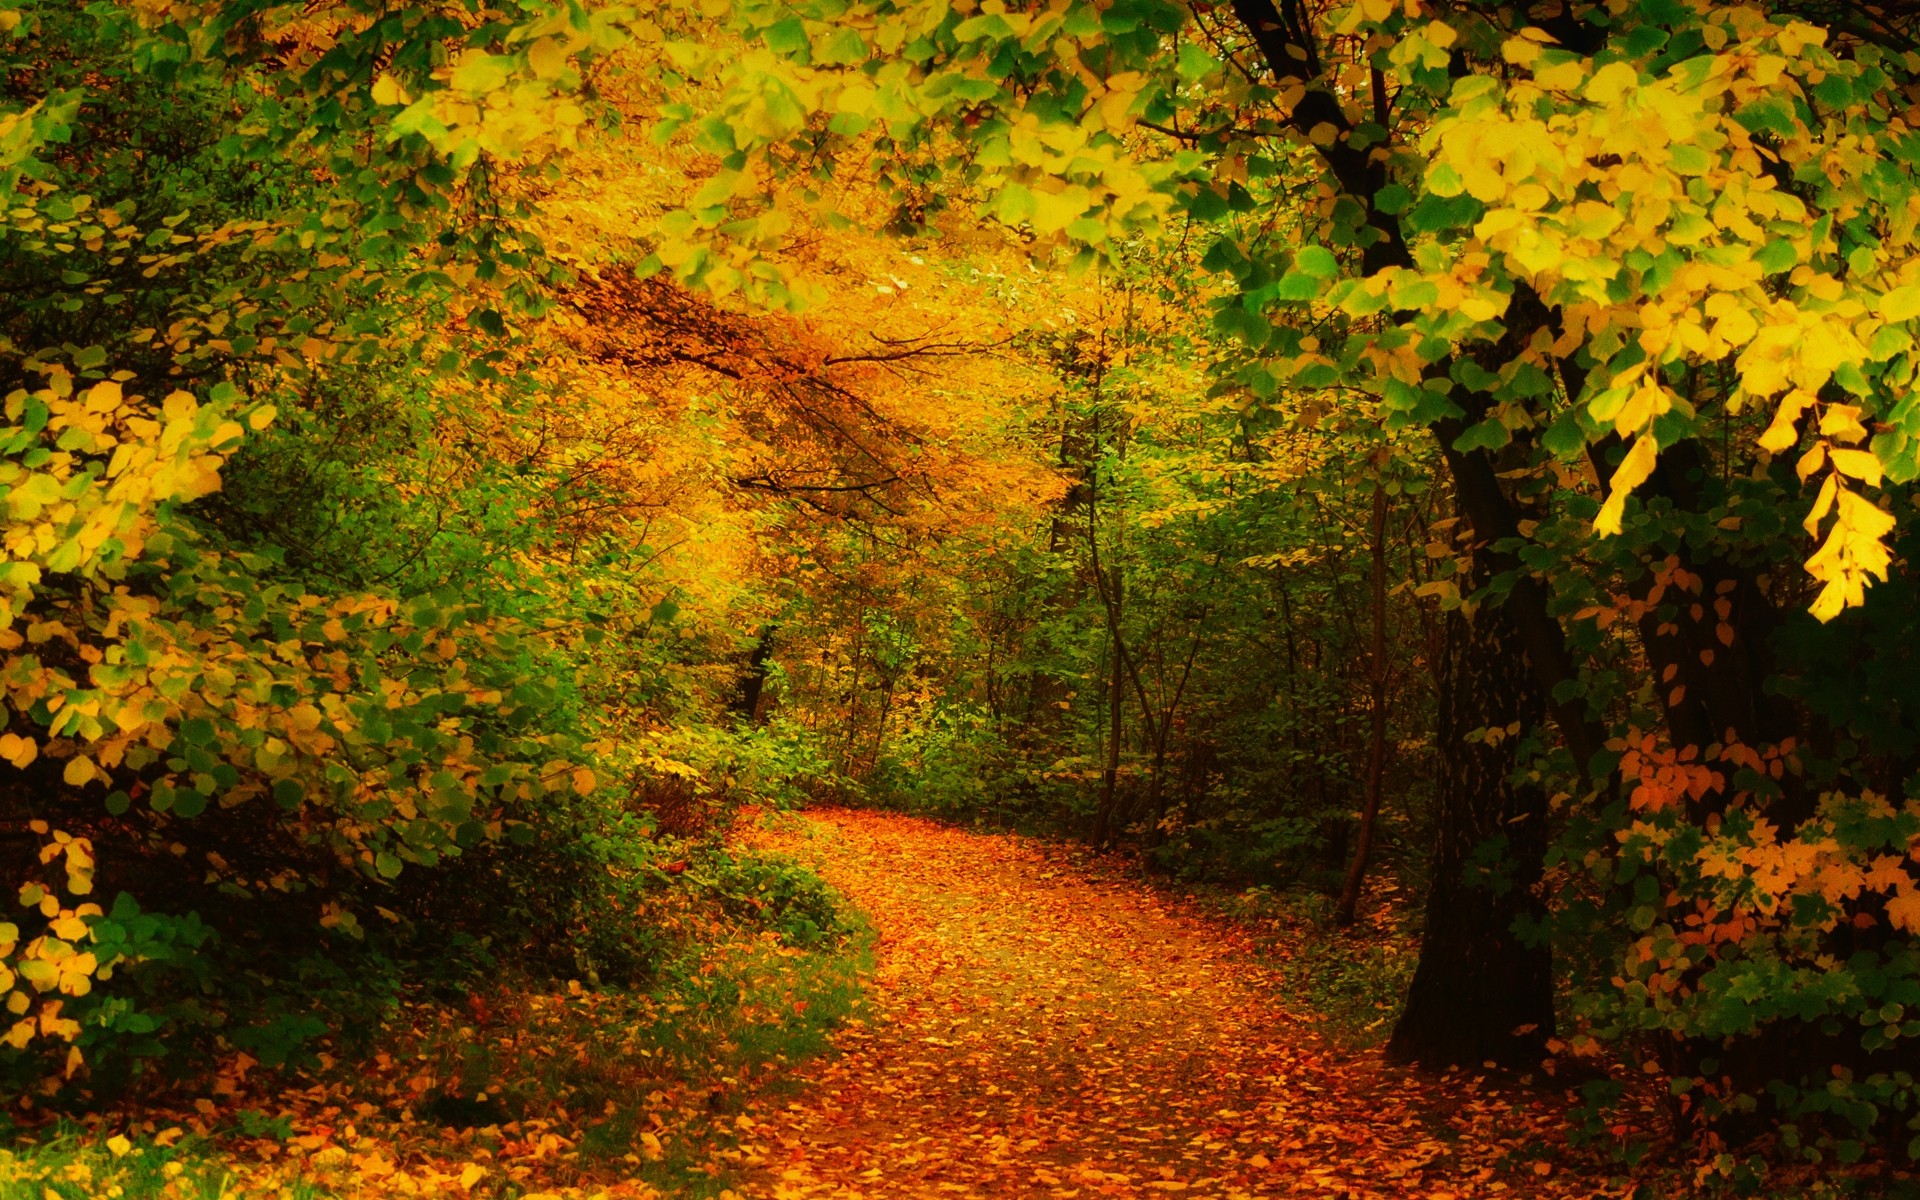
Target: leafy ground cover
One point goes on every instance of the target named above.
(989, 1015)
(503, 1087)
(1042, 1025)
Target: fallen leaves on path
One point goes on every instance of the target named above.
(1037, 1029)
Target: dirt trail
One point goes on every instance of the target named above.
(1039, 1031)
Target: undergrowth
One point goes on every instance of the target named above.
(504, 1084)
(1352, 980)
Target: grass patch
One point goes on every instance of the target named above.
(75, 1162)
(1353, 981)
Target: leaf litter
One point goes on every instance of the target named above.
(1033, 1024)
(1040, 1026)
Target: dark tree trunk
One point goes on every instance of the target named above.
(753, 680)
(1480, 993)
(1377, 718)
(1103, 820)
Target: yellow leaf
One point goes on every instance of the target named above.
(1054, 211)
(261, 417)
(79, 770)
(650, 1147)
(1853, 553)
(179, 406)
(1563, 76)
(479, 73)
(1904, 911)
(548, 58)
(18, 750)
(1901, 304)
(471, 1174)
(387, 90)
(1858, 464)
(583, 780)
(1648, 401)
(1822, 505)
(1632, 472)
(1611, 82)
(1785, 431)
(1519, 51)
(104, 397)
(119, 1145)
(1798, 35)
(1843, 421)
(1811, 462)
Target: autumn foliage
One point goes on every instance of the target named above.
(1443, 469)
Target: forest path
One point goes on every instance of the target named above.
(1037, 1028)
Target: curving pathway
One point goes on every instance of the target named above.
(1036, 1029)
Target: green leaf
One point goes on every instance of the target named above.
(1443, 180)
(1296, 286)
(1415, 295)
(1901, 304)
(1769, 114)
(1356, 299)
(1487, 435)
(1013, 205)
(1776, 256)
(1834, 91)
(1317, 261)
(987, 25)
(1237, 321)
(1435, 213)
(786, 38)
(1564, 439)
(844, 48)
(1206, 204)
(1194, 63)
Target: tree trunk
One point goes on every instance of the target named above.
(1481, 994)
(1377, 734)
(1109, 783)
(753, 681)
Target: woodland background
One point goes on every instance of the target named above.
(457, 456)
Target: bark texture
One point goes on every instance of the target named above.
(1480, 993)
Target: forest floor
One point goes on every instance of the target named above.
(1010, 1018)
(1037, 1025)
